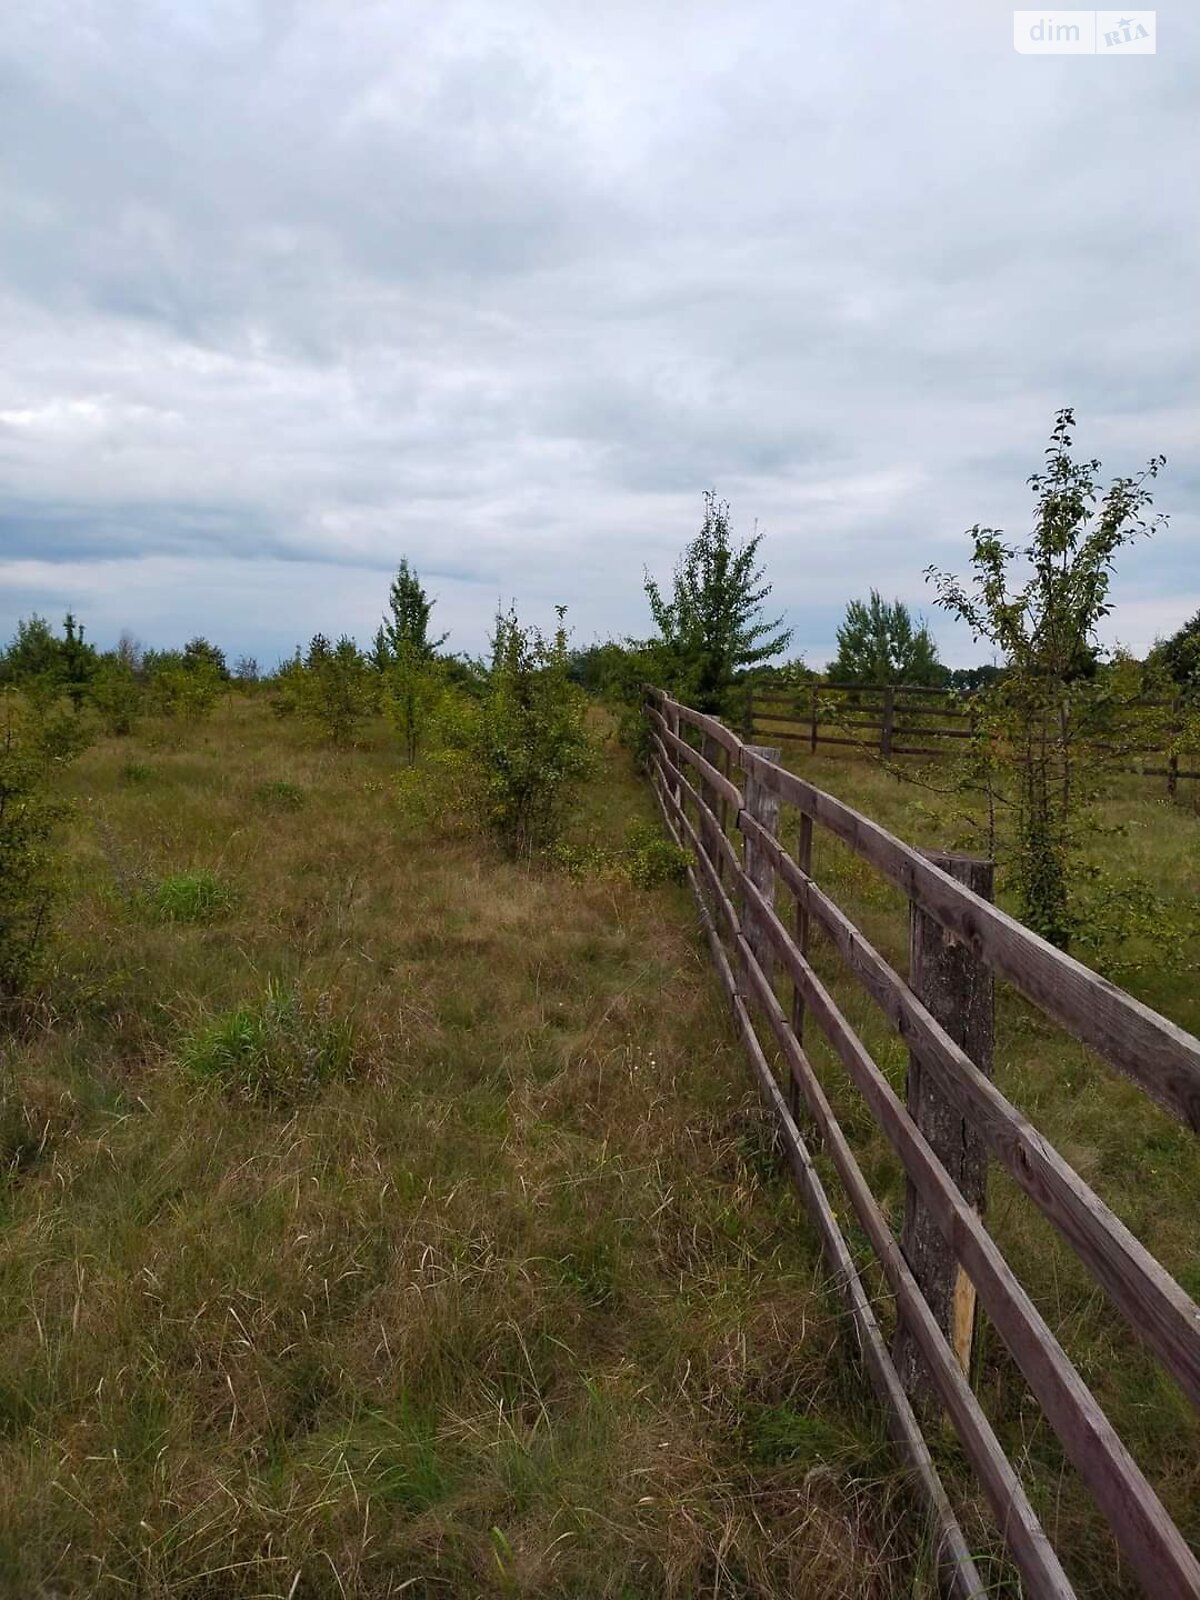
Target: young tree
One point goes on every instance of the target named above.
(336, 688)
(34, 653)
(405, 630)
(201, 655)
(117, 695)
(712, 626)
(406, 658)
(525, 739)
(878, 643)
(1040, 604)
(78, 661)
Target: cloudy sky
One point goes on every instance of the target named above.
(291, 288)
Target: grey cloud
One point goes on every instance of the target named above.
(296, 288)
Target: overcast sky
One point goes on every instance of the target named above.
(292, 288)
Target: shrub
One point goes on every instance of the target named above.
(191, 896)
(335, 688)
(186, 693)
(276, 1050)
(117, 696)
(647, 859)
(134, 774)
(525, 738)
(651, 858)
(277, 794)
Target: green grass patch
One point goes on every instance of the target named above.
(278, 1049)
(198, 896)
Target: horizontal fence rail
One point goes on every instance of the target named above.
(887, 720)
(718, 792)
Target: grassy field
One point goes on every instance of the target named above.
(381, 1218)
(1142, 1162)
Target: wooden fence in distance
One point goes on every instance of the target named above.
(890, 720)
(718, 793)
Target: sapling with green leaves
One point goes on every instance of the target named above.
(1040, 604)
(524, 740)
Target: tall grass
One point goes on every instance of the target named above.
(407, 1227)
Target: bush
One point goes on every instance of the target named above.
(275, 1051)
(135, 774)
(647, 859)
(525, 738)
(117, 696)
(335, 688)
(191, 897)
(184, 691)
(651, 858)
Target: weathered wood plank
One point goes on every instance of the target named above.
(953, 1558)
(1023, 1533)
(1155, 1306)
(1154, 1546)
(1163, 1058)
(679, 746)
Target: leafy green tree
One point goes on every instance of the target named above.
(1179, 656)
(406, 658)
(1039, 603)
(180, 686)
(967, 680)
(35, 652)
(201, 655)
(711, 627)
(879, 643)
(117, 695)
(405, 629)
(336, 689)
(412, 686)
(78, 662)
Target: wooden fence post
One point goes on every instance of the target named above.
(815, 710)
(960, 992)
(889, 721)
(748, 714)
(1173, 755)
(763, 806)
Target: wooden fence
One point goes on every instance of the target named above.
(891, 720)
(717, 792)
